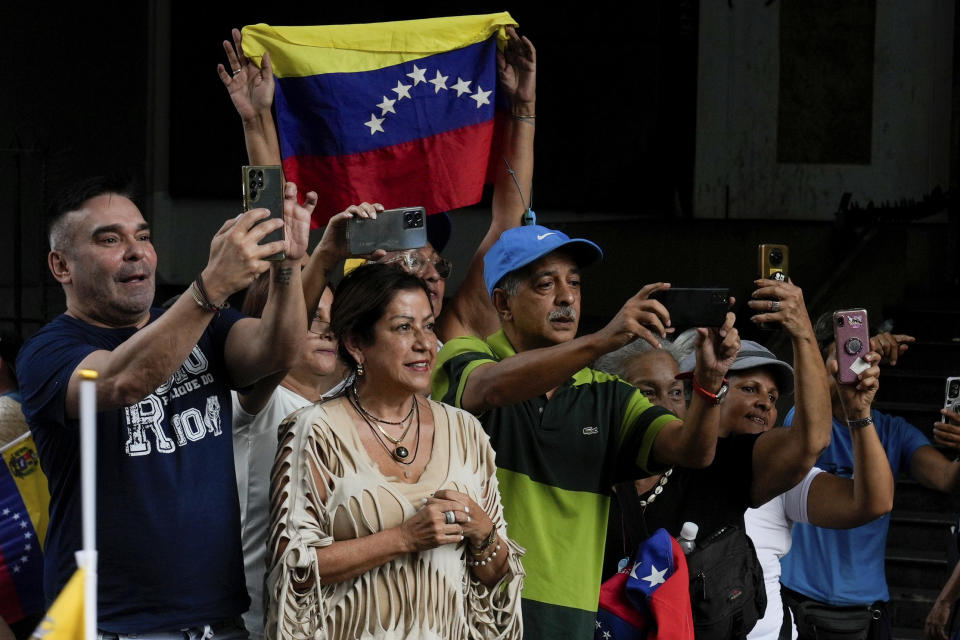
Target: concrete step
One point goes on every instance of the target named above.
(901, 633)
(910, 495)
(921, 530)
(929, 322)
(939, 357)
(915, 568)
(916, 387)
(909, 607)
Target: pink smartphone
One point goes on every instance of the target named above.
(852, 336)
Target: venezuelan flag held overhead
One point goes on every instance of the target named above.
(24, 504)
(397, 112)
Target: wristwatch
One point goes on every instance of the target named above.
(713, 398)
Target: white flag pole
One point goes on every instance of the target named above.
(88, 470)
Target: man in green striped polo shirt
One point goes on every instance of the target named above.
(564, 433)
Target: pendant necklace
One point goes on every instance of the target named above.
(400, 453)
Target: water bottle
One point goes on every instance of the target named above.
(688, 533)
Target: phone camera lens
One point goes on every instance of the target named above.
(776, 257)
(954, 389)
(253, 193)
(839, 321)
(853, 346)
(252, 174)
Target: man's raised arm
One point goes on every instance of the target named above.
(258, 347)
(470, 312)
(151, 355)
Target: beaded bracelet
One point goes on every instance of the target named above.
(480, 561)
(202, 299)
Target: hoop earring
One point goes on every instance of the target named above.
(359, 369)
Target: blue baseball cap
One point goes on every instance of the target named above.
(520, 246)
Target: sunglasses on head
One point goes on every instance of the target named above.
(416, 263)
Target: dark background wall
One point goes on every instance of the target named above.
(132, 87)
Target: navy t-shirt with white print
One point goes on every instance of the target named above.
(168, 531)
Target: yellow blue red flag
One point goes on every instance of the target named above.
(24, 504)
(64, 619)
(397, 112)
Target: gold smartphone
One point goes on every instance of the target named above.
(774, 261)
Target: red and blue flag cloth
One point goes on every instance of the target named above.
(649, 599)
(400, 113)
(24, 504)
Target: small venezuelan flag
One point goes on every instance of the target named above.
(64, 619)
(24, 504)
(397, 112)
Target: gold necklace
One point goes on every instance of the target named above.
(369, 416)
(400, 453)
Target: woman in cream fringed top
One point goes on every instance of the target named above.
(385, 513)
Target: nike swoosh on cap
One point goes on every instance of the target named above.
(539, 237)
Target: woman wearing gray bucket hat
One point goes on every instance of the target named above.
(754, 464)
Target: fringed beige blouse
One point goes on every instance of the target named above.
(427, 595)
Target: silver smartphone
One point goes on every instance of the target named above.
(392, 230)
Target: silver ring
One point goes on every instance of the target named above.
(774, 306)
(450, 517)
(237, 72)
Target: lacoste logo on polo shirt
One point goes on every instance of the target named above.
(590, 431)
(541, 237)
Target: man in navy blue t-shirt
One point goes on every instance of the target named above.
(168, 516)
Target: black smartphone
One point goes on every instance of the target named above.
(695, 307)
(263, 188)
(392, 230)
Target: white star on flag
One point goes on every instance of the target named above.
(633, 571)
(481, 96)
(6, 512)
(16, 516)
(27, 547)
(402, 90)
(418, 75)
(16, 569)
(462, 86)
(606, 634)
(440, 82)
(386, 106)
(27, 535)
(23, 524)
(655, 577)
(598, 624)
(374, 124)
